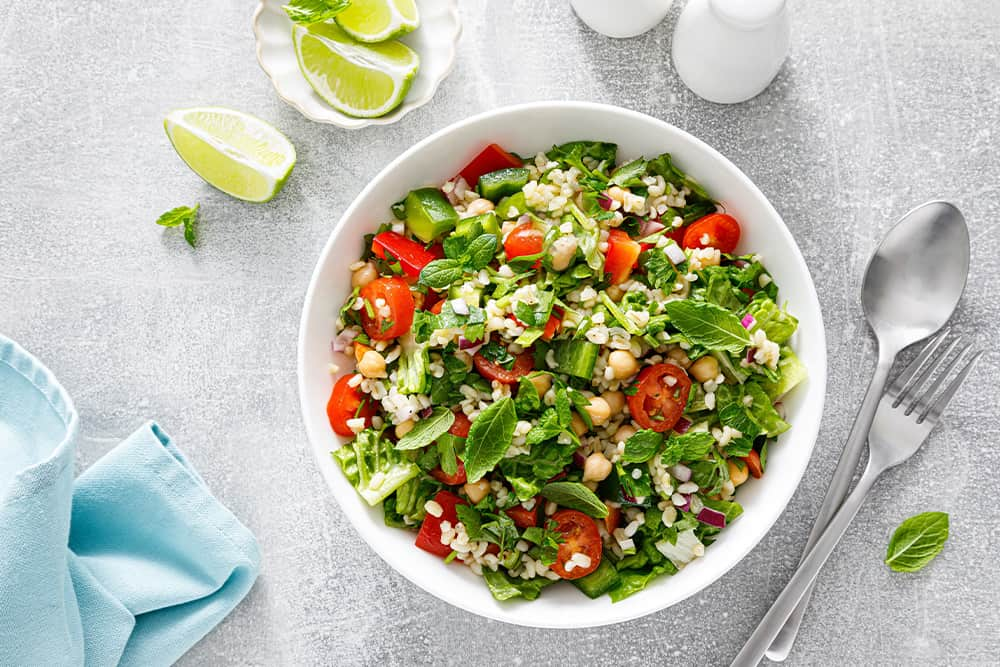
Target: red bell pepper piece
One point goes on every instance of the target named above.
(411, 255)
(490, 159)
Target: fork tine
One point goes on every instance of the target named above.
(901, 384)
(934, 409)
(923, 392)
(915, 383)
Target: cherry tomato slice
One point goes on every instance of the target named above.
(460, 427)
(660, 397)
(410, 254)
(523, 364)
(399, 301)
(753, 464)
(523, 240)
(429, 537)
(580, 535)
(523, 517)
(716, 230)
(451, 480)
(347, 402)
(490, 159)
(622, 255)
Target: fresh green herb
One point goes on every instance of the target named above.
(527, 399)
(535, 315)
(748, 409)
(503, 587)
(642, 446)
(548, 426)
(576, 496)
(480, 252)
(440, 273)
(660, 272)
(314, 11)
(446, 453)
(182, 215)
(708, 325)
(489, 438)
(498, 354)
(471, 519)
(500, 530)
(428, 430)
(917, 541)
(547, 538)
(687, 447)
(629, 174)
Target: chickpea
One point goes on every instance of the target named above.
(542, 382)
(578, 425)
(615, 401)
(478, 207)
(680, 356)
(705, 369)
(364, 275)
(599, 411)
(477, 490)
(372, 365)
(623, 364)
(615, 293)
(737, 473)
(562, 251)
(359, 349)
(624, 432)
(596, 468)
(404, 427)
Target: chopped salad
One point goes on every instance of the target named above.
(561, 369)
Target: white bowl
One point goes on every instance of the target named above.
(526, 129)
(435, 41)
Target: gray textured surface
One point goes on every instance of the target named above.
(882, 105)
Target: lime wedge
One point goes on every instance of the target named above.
(378, 20)
(235, 152)
(364, 80)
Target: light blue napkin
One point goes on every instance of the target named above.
(131, 564)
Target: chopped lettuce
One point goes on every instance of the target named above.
(412, 374)
(778, 324)
(792, 372)
(373, 466)
(748, 409)
(504, 587)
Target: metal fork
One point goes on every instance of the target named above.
(906, 415)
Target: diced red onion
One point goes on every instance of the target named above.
(712, 517)
(680, 472)
(748, 321)
(682, 425)
(750, 352)
(426, 412)
(523, 219)
(651, 227)
(467, 345)
(558, 476)
(687, 502)
(740, 264)
(674, 253)
(460, 306)
(343, 339)
(604, 201)
(578, 459)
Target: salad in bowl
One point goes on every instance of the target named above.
(560, 368)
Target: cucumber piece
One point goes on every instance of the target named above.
(428, 214)
(486, 223)
(512, 207)
(502, 183)
(598, 582)
(470, 296)
(576, 357)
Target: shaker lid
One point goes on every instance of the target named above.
(747, 15)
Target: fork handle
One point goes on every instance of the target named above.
(836, 491)
(769, 626)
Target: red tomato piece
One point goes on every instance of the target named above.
(399, 302)
(660, 397)
(429, 537)
(411, 255)
(580, 535)
(347, 402)
(753, 464)
(716, 230)
(523, 364)
(523, 240)
(622, 255)
(490, 159)
(451, 480)
(438, 305)
(460, 427)
(523, 517)
(551, 327)
(613, 519)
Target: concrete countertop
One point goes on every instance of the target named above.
(881, 105)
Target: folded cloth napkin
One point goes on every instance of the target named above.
(131, 564)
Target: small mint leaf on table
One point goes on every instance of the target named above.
(182, 215)
(917, 541)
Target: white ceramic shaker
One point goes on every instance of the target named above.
(615, 18)
(728, 51)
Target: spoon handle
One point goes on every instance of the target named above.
(802, 581)
(836, 492)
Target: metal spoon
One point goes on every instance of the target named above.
(912, 285)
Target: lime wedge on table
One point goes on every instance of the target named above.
(378, 20)
(237, 153)
(364, 80)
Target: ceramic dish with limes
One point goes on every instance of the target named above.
(370, 64)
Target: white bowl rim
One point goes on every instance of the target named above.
(817, 372)
(341, 119)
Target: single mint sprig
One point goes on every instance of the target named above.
(314, 11)
(182, 215)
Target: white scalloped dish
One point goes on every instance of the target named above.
(435, 41)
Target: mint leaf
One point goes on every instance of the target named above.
(480, 252)
(441, 273)
(575, 496)
(917, 541)
(314, 11)
(471, 519)
(629, 174)
(686, 447)
(446, 453)
(708, 325)
(428, 429)
(642, 446)
(182, 215)
(489, 438)
(537, 314)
